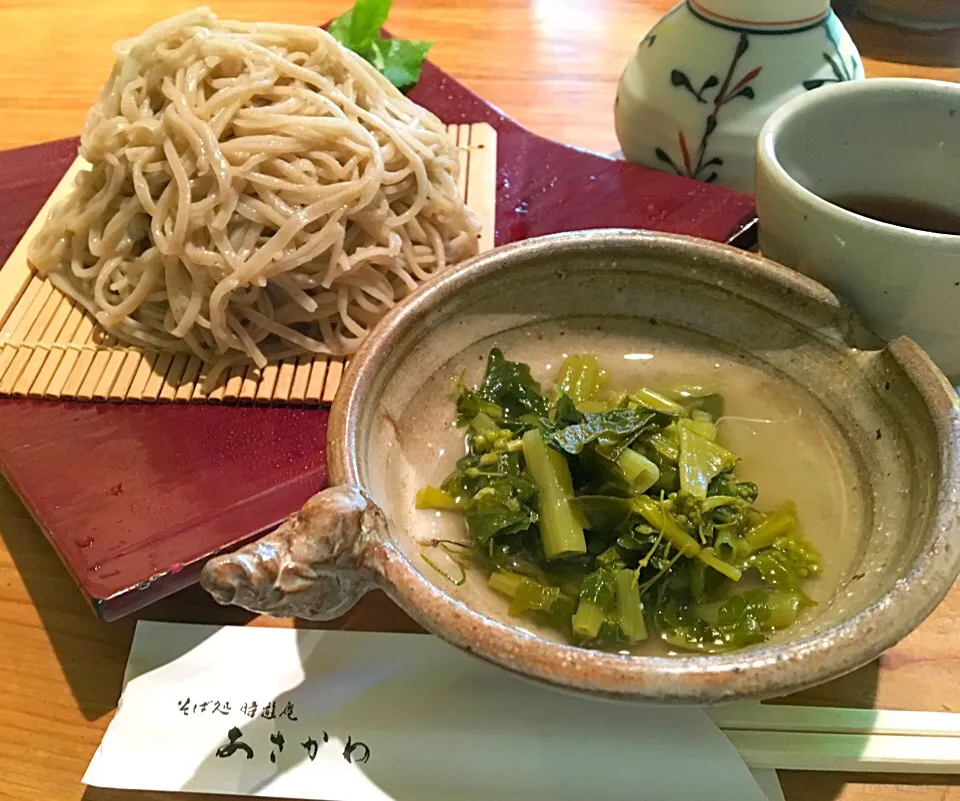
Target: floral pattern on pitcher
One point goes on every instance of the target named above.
(724, 95)
(842, 70)
(694, 104)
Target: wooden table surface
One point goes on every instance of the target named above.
(552, 64)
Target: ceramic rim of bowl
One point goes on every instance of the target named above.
(769, 162)
(761, 672)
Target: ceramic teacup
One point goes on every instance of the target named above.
(893, 140)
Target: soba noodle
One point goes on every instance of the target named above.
(256, 191)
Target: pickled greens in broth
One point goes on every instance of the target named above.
(618, 517)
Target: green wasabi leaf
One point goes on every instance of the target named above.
(784, 608)
(358, 28)
(400, 60)
(495, 510)
(509, 386)
(613, 431)
(566, 412)
(742, 619)
(472, 409)
(636, 541)
(518, 553)
(491, 487)
(611, 559)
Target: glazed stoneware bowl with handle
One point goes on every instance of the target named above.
(391, 432)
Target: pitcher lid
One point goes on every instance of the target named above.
(762, 14)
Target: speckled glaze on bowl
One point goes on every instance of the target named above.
(356, 535)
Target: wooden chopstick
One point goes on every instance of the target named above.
(837, 739)
(856, 753)
(835, 720)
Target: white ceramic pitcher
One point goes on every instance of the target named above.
(703, 81)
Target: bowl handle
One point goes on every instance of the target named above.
(315, 565)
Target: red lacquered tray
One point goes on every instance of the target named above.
(135, 497)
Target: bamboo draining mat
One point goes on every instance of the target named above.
(51, 348)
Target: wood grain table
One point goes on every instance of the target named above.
(552, 64)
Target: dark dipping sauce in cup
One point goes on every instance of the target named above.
(904, 212)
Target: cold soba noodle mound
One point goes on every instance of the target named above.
(256, 190)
